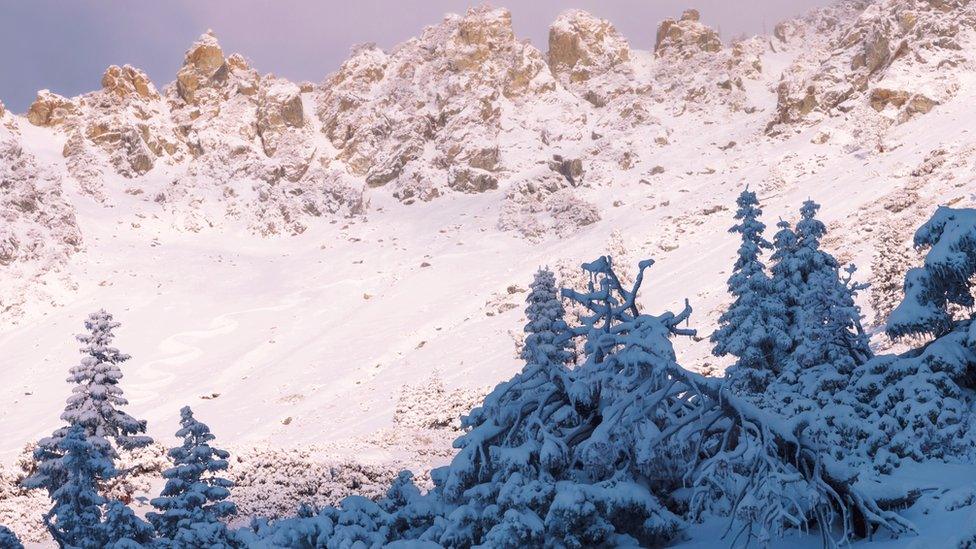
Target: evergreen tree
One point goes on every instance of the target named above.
(8, 540)
(546, 343)
(194, 498)
(512, 413)
(945, 278)
(93, 405)
(75, 519)
(754, 328)
(124, 529)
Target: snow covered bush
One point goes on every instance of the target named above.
(944, 279)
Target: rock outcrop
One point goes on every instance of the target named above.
(582, 46)
(891, 56)
(686, 37)
(50, 109)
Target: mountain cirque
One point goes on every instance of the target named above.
(467, 108)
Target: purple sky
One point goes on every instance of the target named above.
(65, 46)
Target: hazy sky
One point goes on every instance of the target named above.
(65, 46)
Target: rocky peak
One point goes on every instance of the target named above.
(128, 81)
(481, 33)
(581, 46)
(50, 109)
(206, 70)
(686, 36)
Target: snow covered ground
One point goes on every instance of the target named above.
(300, 340)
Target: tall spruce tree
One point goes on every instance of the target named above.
(93, 405)
(754, 328)
(828, 340)
(194, 499)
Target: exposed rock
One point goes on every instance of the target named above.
(687, 36)
(581, 46)
(203, 65)
(50, 109)
(471, 180)
(910, 103)
(279, 107)
(875, 53)
(570, 168)
(127, 80)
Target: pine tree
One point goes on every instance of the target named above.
(93, 405)
(754, 328)
(194, 498)
(8, 540)
(75, 519)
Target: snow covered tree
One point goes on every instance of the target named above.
(123, 529)
(8, 540)
(545, 342)
(944, 279)
(194, 498)
(754, 327)
(75, 520)
(93, 405)
(614, 452)
(824, 323)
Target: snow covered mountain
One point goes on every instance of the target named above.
(286, 257)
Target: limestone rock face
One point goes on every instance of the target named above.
(686, 37)
(127, 80)
(50, 109)
(581, 46)
(279, 108)
(438, 95)
(889, 55)
(203, 65)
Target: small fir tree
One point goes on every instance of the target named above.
(194, 499)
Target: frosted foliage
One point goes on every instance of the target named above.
(891, 262)
(194, 498)
(93, 405)
(8, 539)
(943, 280)
(430, 405)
